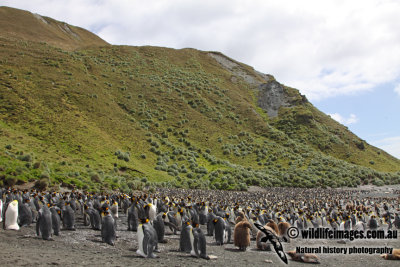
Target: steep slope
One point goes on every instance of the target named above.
(125, 117)
(20, 24)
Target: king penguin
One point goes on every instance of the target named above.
(108, 234)
(55, 219)
(68, 216)
(133, 217)
(44, 223)
(158, 225)
(184, 240)
(24, 213)
(95, 219)
(198, 243)
(11, 216)
(146, 236)
(241, 235)
(220, 232)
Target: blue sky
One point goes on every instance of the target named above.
(343, 55)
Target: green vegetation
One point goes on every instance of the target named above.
(120, 117)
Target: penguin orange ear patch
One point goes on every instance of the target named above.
(147, 220)
(215, 220)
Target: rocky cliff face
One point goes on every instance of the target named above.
(271, 94)
(271, 97)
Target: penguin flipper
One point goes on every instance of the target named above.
(146, 241)
(270, 236)
(171, 225)
(196, 243)
(38, 226)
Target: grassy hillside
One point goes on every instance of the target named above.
(125, 117)
(20, 24)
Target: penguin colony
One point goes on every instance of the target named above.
(229, 217)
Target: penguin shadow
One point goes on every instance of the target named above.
(174, 250)
(95, 239)
(35, 237)
(138, 256)
(68, 230)
(234, 250)
(133, 256)
(176, 237)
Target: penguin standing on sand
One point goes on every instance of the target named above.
(372, 223)
(198, 243)
(68, 216)
(95, 219)
(184, 240)
(108, 234)
(86, 217)
(220, 231)
(133, 217)
(11, 216)
(283, 228)
(228, 230)
(56, 219)
(241, 235)
(146, 236)
(151, 211)
(114, 209)
(159, 225)
(24, 213)
(210, 223)
(203, 211)
(44, 223)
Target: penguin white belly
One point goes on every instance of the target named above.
(179, 219)
(225, 236)
(11, 216)
(140, 236)
(192, 252)
(114, 210)
(152, 213)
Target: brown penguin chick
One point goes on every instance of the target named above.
(283, 228)
(303, 257)
(240, 217)
(241, 235)
(394, 256)
(262, 245)
(274, 226)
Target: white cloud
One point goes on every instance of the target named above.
(391, 145)
(323, 48)
(346, 121)
(397, 89)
